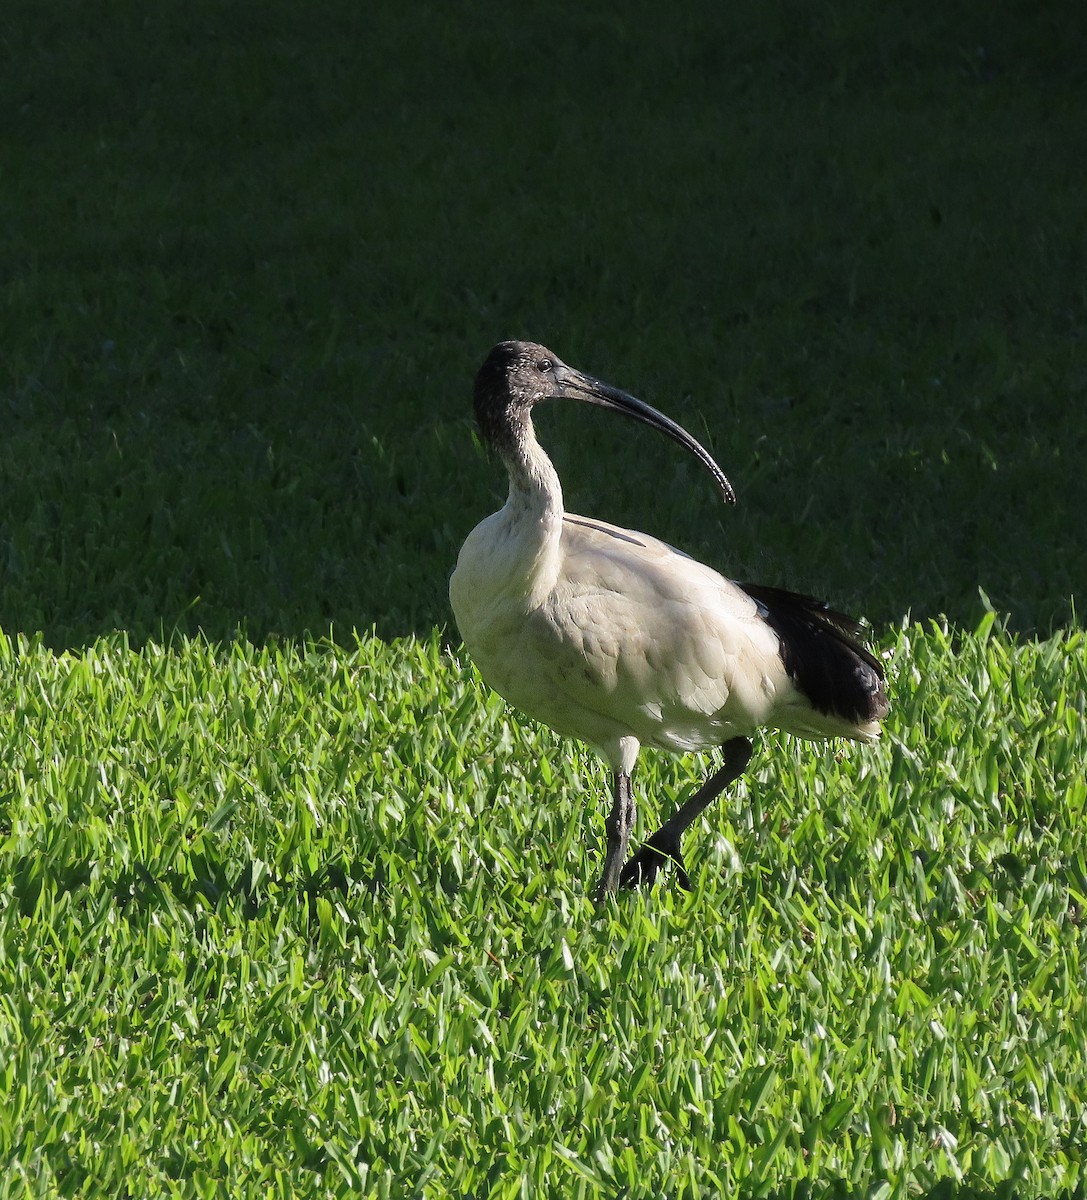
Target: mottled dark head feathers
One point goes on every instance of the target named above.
(514, 377)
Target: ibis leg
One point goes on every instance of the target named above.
(619, 826)
(663, 846)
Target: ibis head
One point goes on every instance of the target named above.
(516, 376)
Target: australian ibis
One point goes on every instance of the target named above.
(617, 639)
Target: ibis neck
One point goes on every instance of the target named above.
(535, 491)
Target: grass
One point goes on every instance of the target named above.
(288, 921)
(286, 909)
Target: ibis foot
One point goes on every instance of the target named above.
(646, 862)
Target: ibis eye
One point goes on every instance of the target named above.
(544, 365)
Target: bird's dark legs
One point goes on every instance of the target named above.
(664, 844)
(619, 825)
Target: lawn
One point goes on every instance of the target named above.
(291, 905)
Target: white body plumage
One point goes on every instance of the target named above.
(617, 639)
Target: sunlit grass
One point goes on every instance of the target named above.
(308, 919)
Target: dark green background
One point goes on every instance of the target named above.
(253, 254)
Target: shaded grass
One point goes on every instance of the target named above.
(252, 260)
(314, 919)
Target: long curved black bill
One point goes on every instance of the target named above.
(578, 386)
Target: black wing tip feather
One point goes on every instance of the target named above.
(822, 654)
